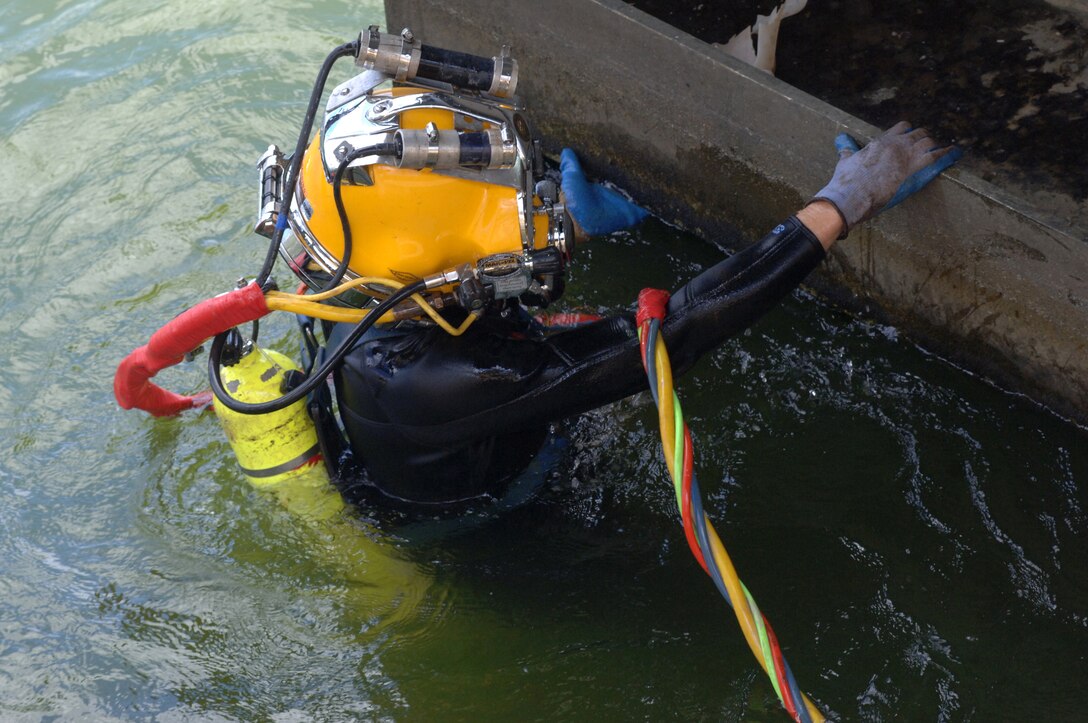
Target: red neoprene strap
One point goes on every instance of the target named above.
(132, 383)
(567, 318)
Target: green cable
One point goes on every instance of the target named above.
(764, 642)
(678, 453)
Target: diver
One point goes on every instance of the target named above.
(425, 227)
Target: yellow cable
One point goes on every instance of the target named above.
(351, 284)
(446, 326)
(307, 304)
(737, 593)
(813, 712)
(319, 311)
(665, 417)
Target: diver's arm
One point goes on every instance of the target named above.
(825, 223)
(600, 362)
(733, 294)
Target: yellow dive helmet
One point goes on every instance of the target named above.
(437, 173)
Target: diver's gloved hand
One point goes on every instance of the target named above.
(598, 210)
(883, 173)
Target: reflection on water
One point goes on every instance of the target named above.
(916, 536)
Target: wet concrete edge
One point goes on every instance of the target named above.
(715, 146)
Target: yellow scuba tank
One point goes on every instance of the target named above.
(278, 451)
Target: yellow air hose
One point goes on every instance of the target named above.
(308, 304)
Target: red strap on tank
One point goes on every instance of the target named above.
(131, 384)
(651, 305)
(567, 318)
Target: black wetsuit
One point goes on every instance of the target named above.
(434, 418)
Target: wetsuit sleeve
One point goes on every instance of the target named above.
(717, 304)
(730, 296)
(446, 391)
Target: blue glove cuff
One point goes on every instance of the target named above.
(919, 179)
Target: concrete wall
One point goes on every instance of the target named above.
(716, 146)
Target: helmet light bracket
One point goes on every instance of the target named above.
(406, 59)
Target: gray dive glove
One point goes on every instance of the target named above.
(884, 172)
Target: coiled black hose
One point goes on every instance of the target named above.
(341, 51)
(317, 377)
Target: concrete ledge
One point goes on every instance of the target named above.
(728, 151)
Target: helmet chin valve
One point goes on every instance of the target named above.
(501, 276)
(506, 276)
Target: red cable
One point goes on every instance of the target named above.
(652, 305)
(685, 502)
(685, 494)
(779, 670)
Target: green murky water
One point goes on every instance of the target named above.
(917, 537)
